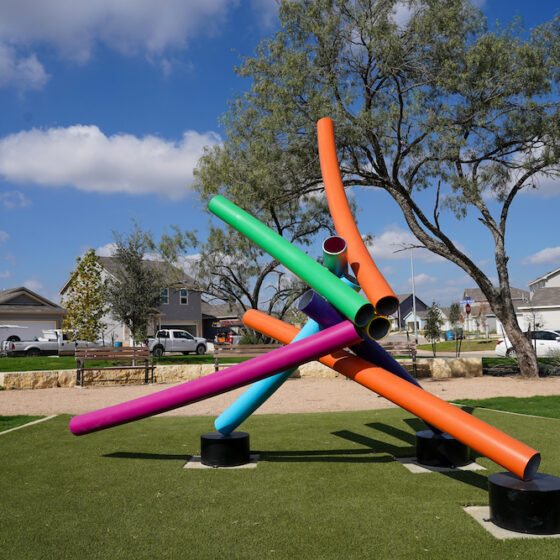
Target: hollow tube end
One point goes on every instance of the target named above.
(532, 467)
(378, 328)
(305, 299)
(387, 305)
(364, 315)
(334, 245)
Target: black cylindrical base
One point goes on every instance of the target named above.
(531, 506)
(217, 450)
(440, 450)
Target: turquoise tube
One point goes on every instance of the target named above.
(258, 392)
(348, 302)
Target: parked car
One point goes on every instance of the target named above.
(53, 342)
(172, 340)
(546, 343)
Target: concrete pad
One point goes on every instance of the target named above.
(416, 468)
(196, 463)
(481, 514)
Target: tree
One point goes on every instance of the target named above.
(434, 109)
(84, 300)
(432, 330)
(134, 294)
(454, 314)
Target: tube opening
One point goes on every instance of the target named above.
(364, 315)
(532, 467)
(305, 300)
(387, 305)
(378, 328)
(334, 245)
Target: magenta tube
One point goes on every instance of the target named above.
(290, 356)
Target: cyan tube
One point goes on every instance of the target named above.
(259, 392)
(348, 302)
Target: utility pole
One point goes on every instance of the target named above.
(413, 297)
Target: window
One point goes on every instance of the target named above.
(183, 296)
(164, 296)
(162, 334)
(183, 334)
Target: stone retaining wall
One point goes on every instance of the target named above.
(437, 368)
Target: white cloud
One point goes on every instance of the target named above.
(35, 286)
(4, 236)
(267, 11)
(390, 244)
(85, 158)
(107, 250)
(423, 280)
(14, 199)
(20, 71)
(548, 256)
(5, 274)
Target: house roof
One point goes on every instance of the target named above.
(175, 275)
(24, 300)
(544, 297)
(545, 277)
(222, 310)
(478, 296)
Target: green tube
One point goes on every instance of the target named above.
(341, 296)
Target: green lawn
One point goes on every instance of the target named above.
(326, 486)
(466, 345)
(9, 422)
(548, 406)
(45, 363)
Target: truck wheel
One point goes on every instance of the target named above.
(33, 353)
(200, 349)
(14, 338)
(158, 351)
(511, 353)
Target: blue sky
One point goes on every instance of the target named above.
(106, 108)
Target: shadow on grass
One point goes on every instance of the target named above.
(373, 445)
(149, 456)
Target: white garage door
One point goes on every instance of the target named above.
(33, 329)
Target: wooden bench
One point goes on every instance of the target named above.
(131, 355)
(402, 348)
(240, 351)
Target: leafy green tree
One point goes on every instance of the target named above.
(454, 314)
(432, 330)
(134, 294)
(435, 109)
(84, 300)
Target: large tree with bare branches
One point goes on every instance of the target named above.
(428, 104)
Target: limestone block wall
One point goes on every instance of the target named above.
(438, 368)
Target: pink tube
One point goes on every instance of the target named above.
(290, 356)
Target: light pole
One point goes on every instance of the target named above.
(413, 297)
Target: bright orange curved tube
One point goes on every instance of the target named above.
(373, 283)
(511, 454)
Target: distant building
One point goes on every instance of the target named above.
(24, 314)
(402, 318)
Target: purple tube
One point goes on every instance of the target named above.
(290, 356)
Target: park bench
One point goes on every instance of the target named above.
(130, 356)
(402, 348)
(240, 351)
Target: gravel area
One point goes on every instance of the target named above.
(295, 396)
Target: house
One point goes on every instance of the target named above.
(422, 318)
(542, 311)
(179, 308)
(549, 280)
(481, 317)
(24, 314)
(399, 318)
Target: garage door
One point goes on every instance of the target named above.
(32, 329)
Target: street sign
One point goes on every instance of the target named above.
(467, 308)
(467, 300)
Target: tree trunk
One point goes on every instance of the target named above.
(526, 355)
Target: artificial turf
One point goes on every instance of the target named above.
(548, 406)
(9, 422)
(326, 486)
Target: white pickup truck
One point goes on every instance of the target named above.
(172, 340)
(53, 342)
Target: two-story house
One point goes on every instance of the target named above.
(179, 307)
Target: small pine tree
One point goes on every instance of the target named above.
(84, 300)
(432, 330)
(454, 314)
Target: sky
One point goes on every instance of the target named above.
(106, 107)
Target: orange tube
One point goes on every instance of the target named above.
(511, 454)
(373, 283)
